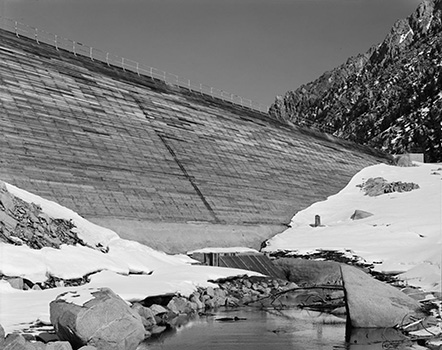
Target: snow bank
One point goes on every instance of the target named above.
(156, 272)
(90, 233)
(404, 234)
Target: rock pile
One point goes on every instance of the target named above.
(378, 186)
(232, 292)
(23, 223)
(154, 314)
(52, 282)
(16, 341)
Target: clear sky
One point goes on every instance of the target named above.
(253, 48)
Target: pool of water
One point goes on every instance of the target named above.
(254, 330)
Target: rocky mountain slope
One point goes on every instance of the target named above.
(389, 98)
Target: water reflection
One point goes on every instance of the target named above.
(272, 329)
(259, 330)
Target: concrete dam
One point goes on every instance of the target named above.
(158, 163)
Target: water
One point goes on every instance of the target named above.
(257, 329)
(272, 329)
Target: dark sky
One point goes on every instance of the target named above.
(254, 48)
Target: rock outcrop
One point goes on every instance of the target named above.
(104, 320)
(375, 304)
(23, 223)
(377, 186)
(389, 98)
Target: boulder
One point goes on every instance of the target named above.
(38, 345)
(15, 341)
(374, 304)
(158, 309)
(360, 214)
(196, 298)
(16, 282)
(146, 314)
(96, 317)
(59, 345)
(180, 305)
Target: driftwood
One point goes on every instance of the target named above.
(321, 304)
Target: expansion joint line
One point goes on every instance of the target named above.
(189, 178)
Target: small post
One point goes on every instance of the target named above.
(90, 53)
(73, 48)
(16, 29)
(55, 42)
(138, 71)
(122, 63)
(107, 58)
(317, 220)
(36, 35)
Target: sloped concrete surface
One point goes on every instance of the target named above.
(110, 144)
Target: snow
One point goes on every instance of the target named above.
(403, 235)
(78, 297)
(132, 270)
(90, 233)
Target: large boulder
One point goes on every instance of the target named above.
(374, 304)
(15, 341)
(96, 317)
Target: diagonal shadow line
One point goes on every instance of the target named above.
(188, 177)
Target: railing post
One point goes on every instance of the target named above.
(222, 95)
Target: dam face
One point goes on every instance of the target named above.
(169, 167)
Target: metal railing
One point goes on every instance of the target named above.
(77, 48)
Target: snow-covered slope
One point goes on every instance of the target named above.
(403, 235)
(156, 272)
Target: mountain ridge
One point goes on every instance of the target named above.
(389, 98)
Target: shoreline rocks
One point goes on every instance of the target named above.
(158, 314)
